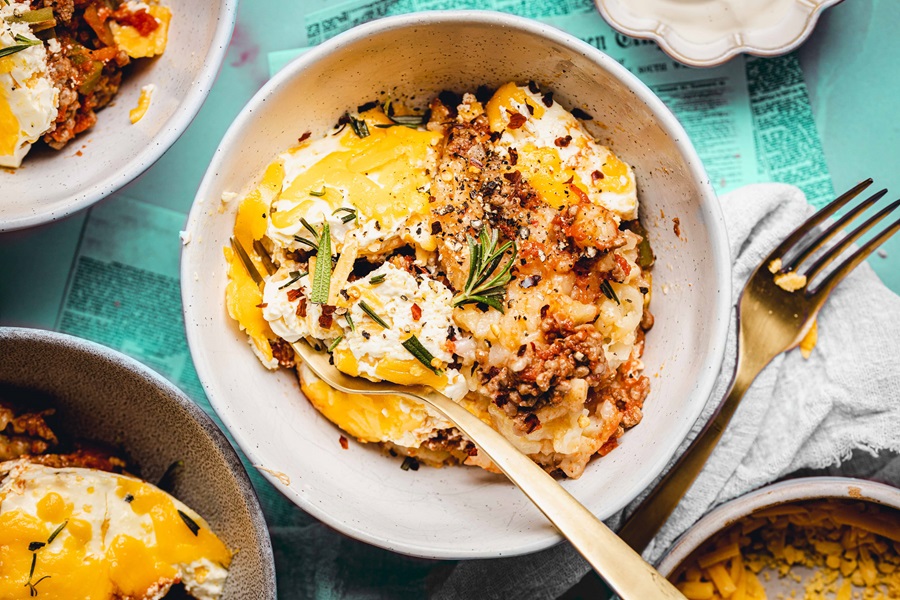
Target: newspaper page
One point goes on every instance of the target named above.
(124, 292)
(749, 119)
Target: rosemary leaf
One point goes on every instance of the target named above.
(377, 279)
(421, 353)
(350, 322)
(322, 277)
(335, 343)
(310, 243)
(295, 276)
(319, 193)
(487, 279)
(608, 291)
(359, 127)
(369, 311)
(57, 531)
(191, 524)
(14, 48)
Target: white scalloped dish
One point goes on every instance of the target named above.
(706, 33)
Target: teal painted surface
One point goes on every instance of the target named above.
(852, 67)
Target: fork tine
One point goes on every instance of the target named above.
(825, 212)
(854, 235)
(832, 230)
(836, 276)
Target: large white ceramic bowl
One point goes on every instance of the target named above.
(51, 185)
(458, 512)
(783, 493)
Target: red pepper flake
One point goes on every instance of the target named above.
(562, 142)
(294, 294)
(579, 192)
(677, 226)
(530, 108)
(416, 312)
(513, 156)
(326, 318)
(544, 310)
(516, 120)
(513, 177)
(304, 137)
(344, 443)
(547, 99)
(262, 305)
(144, 22)
(532, 423)
(623, 264)
(472, 451)
(609, 446)
(580, 114)
(301, 308)
(597, 175)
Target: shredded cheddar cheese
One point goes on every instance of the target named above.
(853, 549)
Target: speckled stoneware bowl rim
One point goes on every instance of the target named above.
(785, 492)
(708, 207)
(156, 380)
(187, 109)
(666, 36)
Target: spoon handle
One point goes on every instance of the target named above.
(619, 565)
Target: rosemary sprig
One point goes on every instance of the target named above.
(335, 343)
(608, 291)
(484, 285)
(191, 524)
(313, 243)
(415, 347)
(322, 277)
(372, 314)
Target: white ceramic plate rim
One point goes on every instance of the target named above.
(684, 51)
(710, 210)
(792, 490)
(175, 126)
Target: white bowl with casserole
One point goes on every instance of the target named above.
(146, 67)
(384, 74)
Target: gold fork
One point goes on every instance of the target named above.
(623, 569)
(771, 320)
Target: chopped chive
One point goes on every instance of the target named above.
(608, 291)
(335, 343)
(349, 216)
(322, 276)
(191, 524)
(408, 119)
(295, 276)
(421, 353)
(320, 193)
(377, 279)
(350, 322)
(129, 498)
(34, 546)
(368, 310)
(359, 127)
(57, 531)
(410, 463)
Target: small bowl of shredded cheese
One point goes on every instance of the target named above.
(813, 538)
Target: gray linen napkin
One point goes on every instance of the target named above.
(799, 414)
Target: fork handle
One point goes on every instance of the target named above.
(649, 517)
(617, 563)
